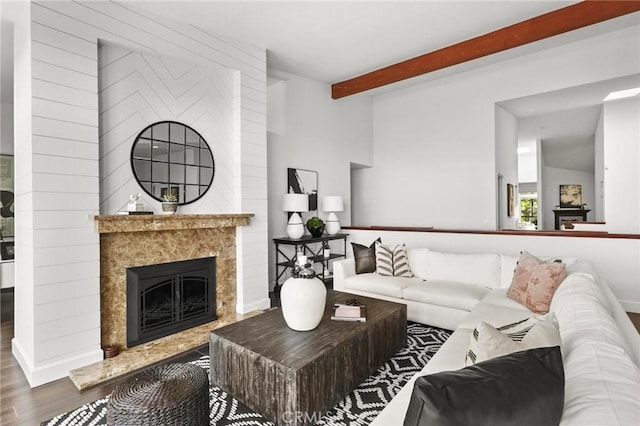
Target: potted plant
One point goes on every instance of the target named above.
(315, 225)
(169, 203)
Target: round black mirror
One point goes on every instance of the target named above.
(172, 158)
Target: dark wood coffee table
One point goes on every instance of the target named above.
(293, 377)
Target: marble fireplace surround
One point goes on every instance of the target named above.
(139, 240)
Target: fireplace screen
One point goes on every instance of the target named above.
(169, 297)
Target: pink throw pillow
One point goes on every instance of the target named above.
(535, 281)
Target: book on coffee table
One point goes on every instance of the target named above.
(349, 313)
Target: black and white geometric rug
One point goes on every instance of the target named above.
(360, 407)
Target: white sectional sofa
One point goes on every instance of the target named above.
(600, 346)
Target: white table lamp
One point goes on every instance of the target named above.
(295, 203)
(332, 204)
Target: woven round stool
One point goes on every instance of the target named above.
(170, 394)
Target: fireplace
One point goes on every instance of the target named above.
(166, 298)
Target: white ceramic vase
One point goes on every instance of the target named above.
(302, 302)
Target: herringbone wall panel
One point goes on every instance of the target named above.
(137, 89)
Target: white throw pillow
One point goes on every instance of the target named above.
(487, 342)
(480, 269)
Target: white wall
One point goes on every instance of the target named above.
(599, 214)
(138, 89)
(57, 321)
(507, 164)
(621, 159)
(6, 129)
(309, 130)
(616, 260)
(552, 178)
(435, 139)
(527, 168)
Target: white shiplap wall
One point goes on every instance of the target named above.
(57, 166)
(140, 89)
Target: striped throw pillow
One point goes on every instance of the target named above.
(488, 342)
(392, 261)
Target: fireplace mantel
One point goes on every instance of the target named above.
(106, 224)
(138, 240)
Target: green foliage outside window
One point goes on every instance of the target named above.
(529, 208)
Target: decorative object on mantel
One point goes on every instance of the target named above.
(303, 297)
(332, 204)
(133, 205)
(315, 225)
(169, 203)
(295, 204)
(571, 196)
(134, 213)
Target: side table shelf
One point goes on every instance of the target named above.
(309, 247)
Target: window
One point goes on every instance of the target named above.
(529, 207)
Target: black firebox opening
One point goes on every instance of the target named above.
(169, 297)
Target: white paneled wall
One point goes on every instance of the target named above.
(58, 158)
(139, 89)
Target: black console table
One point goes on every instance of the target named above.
(309, 247)
(572, 214)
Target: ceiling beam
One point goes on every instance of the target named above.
(548, 25)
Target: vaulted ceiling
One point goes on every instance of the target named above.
(335, 41)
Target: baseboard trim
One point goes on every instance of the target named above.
(630, 306)
(37, 376)
(255, 306)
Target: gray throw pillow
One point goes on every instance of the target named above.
(365, 257)
(524, 388)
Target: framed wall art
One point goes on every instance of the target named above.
(510, 199)
(300, 181)
(570, 196)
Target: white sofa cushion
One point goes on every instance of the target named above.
(583, 313)
(602, 387)
(446, 293)
(479, 269)
(419, 262)
(508, 266)
(380, 284)
(498, 297)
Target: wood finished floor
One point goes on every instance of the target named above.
(22, 406)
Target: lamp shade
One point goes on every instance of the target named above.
(295, 203)
(332, 203)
